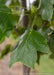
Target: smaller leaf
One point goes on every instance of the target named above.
(51, 44)
(39, 21)
(44, 31)
(5, 51)
(47, 10)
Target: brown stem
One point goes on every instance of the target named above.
(26, 70)
(25, 18)
(45, 23)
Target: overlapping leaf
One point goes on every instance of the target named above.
(51, 45)
(5, 51)
(7, 20)
(47, 9)
(44, 31)
(26, 52)
(39, 21)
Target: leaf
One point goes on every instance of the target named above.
(52, 25)
(51, 41)
(39, 21)
(44, 31)
(26, 52)
(52, 1)
(34, 10)
(7, 21)
(2, 38)
(47, 9)
(6, 50)
(2, 1)
(51, 44)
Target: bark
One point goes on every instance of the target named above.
(26, 70)
(25, 18)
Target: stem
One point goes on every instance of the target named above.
(26, 70)
(25, 18)
(33, 22)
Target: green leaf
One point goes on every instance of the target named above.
(51, 45)
(2, 1)
(26, 52)
(0, 33)
(51, 41)
(52, 25)
(44, 31)
(47, 9)
(52, 1)
(6, 50)
(39, 21)
(34, 10)
(7, 20)
(2, 38)
(15, 3)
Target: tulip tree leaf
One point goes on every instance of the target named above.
(26, 52)
(7, 21)
(47, 9)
